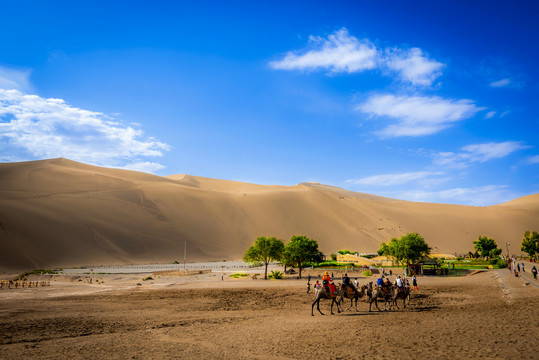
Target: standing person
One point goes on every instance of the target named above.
(356, 283)
(317, 287)
(308, 287)
(414, 283)
(534, 272)
(522, 266)
(390, 272)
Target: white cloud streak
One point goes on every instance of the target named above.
(341, 52)
(490, 114)
(500, 83)
(417, 115)
(50, 128)
(15, 79)
(478, 153)
(394, 179)
(533, 160)
(474, 196)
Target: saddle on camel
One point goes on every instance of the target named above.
(328, 285)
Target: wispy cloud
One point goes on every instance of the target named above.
(394, 179)
(490, 114)
(478, 153)
(48, 128)
(533, 160)
(500, 83)
(341, 52)
(15, 79)
(417, 115)
(475, 196)
(413, 66)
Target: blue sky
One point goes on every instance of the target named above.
(413, 100)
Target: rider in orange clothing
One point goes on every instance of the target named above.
(329, 281)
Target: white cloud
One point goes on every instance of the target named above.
(478, 153)
(340, 52)
(500, 83)
(490, 114)
(145, 166)
(394, 179)
(50, 128)
(533, 160)
(416, 115)
(15, 79)
(475, 196)
(413, 66)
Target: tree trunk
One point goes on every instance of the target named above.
(266, 271)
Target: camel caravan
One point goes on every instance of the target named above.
(10, 284)
(384, 291)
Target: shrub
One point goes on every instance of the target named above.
(501, 264)
(148, 278)
(276, 274)
(367, 273)
(493, 261)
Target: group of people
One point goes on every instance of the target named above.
(383, 282)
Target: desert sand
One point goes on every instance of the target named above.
(60, 213)
(488, 315)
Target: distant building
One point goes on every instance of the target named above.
(384, 261)
(354, 259)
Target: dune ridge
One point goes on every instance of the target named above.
(59, 213)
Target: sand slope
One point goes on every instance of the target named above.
(63, 213)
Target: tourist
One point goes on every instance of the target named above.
(414, 283)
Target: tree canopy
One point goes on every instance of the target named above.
(530, 243)
(301, 250)
(487, 247)
(408, 248)
(265, 250)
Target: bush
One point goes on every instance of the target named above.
(148, 278)
(501, 264)
(367, 273)
(276, 274)
(493, 261)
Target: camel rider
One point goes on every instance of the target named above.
(400, 285)
(326, 280)
(346, 281)
(380, 281)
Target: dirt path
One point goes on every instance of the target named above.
(462, 318)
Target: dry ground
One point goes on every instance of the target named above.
(461, 318)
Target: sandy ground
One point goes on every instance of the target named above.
(488, 315)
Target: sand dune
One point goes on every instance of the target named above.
(63, 213)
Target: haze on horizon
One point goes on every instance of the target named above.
(414, 101)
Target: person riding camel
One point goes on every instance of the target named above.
(400, 284)
(326, 280)
(346, 281)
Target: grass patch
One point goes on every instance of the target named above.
(147, 278)
(238, 275)
(367, 273)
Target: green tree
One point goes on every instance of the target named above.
(264, 251)
(530, 243)
(344, 252)
(407, 249)
(484, 245)
(301, 250)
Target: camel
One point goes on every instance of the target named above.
(401, 295)
(355, 296)
(374, 294)
(323, 294)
